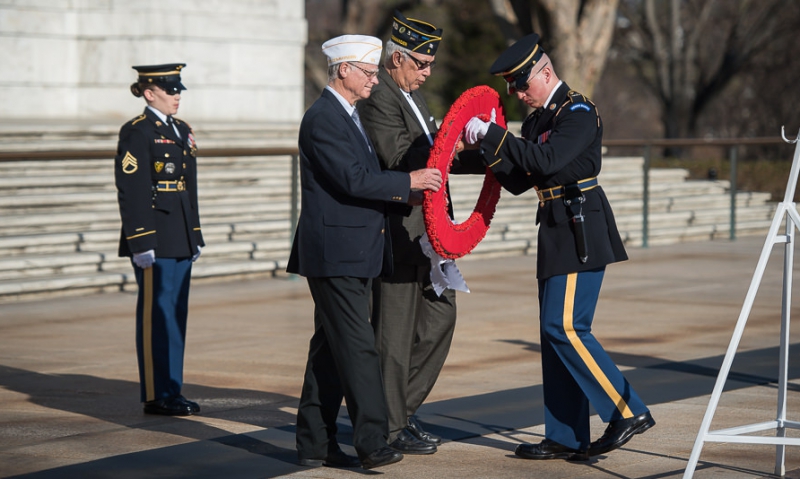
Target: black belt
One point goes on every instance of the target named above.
(558, 191)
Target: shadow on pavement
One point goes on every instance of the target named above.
(267, 449)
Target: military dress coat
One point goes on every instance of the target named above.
(150, 156)
(560, 145)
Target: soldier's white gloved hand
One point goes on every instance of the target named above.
(144, 260)
(196, 255)
(476, 128)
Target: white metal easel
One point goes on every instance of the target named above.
(739, 434)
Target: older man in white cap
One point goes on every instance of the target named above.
(341, 244)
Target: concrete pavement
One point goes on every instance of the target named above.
(69, 388)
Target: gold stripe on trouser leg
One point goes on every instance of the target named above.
(580, 348)
(147, 334)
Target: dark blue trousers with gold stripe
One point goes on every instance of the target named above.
(576, 369)
(161, 311)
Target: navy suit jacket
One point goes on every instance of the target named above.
(342, 226)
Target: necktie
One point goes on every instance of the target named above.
(357, 120)
(171, 124)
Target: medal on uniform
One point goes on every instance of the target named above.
(170, 168)
(192, 145)
(158, 165)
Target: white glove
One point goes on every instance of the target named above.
(196, 255)
(476, 128)
(144, 260)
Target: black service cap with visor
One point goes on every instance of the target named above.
(517, 61)
(167, 76)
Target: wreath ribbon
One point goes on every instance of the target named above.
(450, 239)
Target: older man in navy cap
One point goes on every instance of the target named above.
(560, 153)
(156, 179)
(340, 246)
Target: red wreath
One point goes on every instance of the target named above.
(449, 239)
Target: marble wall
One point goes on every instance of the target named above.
(71, 59)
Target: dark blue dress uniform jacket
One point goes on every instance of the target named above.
(168, 222)
(570, 152)
(342, 225)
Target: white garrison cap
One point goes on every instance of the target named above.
(353, 48)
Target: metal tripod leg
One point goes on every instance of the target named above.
(788, 210)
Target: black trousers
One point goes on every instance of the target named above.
(342, 362)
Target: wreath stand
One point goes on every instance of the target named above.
(740, 434)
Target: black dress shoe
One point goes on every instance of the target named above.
(619, 432)
(195, 407)
(381, 457)
(168, 407)
(335, 459)
(408, 444)
(415, 428)
(548, 449)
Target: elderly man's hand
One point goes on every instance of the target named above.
(426, 179)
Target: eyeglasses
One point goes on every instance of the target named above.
(369, 73)
(421, 65)
(518, 85)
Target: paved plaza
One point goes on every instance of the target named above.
(69, 388)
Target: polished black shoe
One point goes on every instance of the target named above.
(336, 459)
(548, 449)
(408, 444)
(195, 407)
(619, 432)
(415, 428)
(168, 407)
(381, 457)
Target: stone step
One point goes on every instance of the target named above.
(673, 235)
(56, 200)
(70, 284)
(60, 228)
(105, 180)
(93, 166)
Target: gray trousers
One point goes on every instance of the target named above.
(413, 331)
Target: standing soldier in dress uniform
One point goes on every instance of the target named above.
(156, 177)
(560, 153)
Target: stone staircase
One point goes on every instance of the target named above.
(59, 224)
(680, 209)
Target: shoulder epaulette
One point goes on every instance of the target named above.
(138, 119)
(577, 100)
(574, 96)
